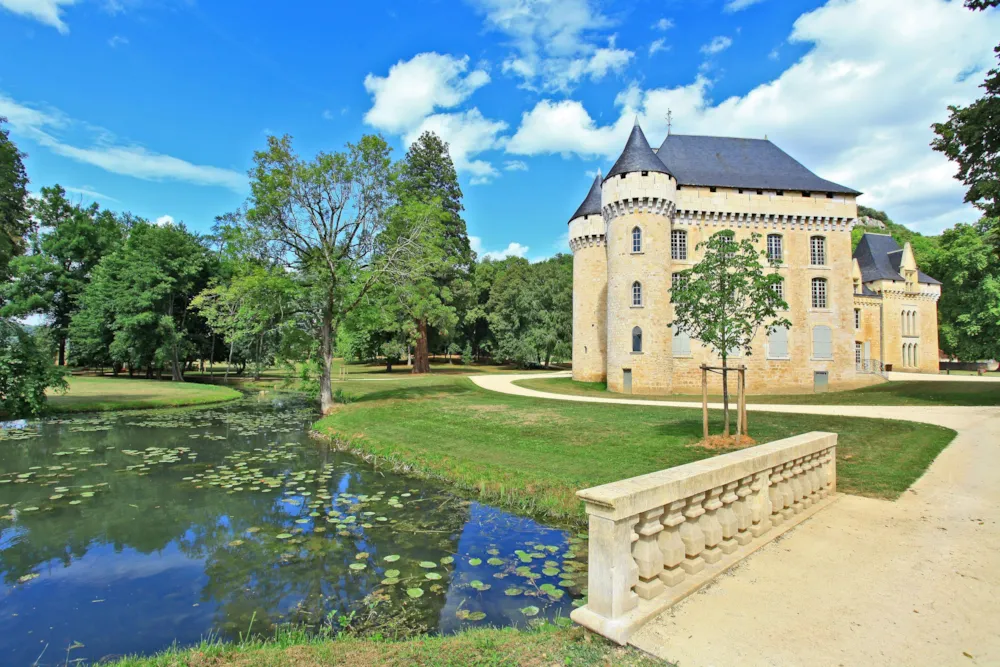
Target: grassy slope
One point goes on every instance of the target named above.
(88, 394)
(474, 647)
(889, 393)
(535, 454)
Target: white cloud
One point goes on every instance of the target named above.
(555, 43)
(657, 46)
(717, 45)
(44, 127)
(512, 250)
(856, 109)
(515, 165)
(48, 12)
(87, 191)
(117, 41)
(663, 24)
(405, 101)
(414, 88)
(738, 5)
(164, 220)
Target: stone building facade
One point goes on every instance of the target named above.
(851, 314)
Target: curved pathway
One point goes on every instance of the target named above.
(865, 582)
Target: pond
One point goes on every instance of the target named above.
(125, 533)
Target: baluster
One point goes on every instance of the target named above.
(802, 484)
(646, 553)
(613, 571)
(812, 479)
(777, 496)
(744, 514)
(711, 527)
(671, 545)
(727, 519)
(691, 535)
(760, 504)
(787, 491)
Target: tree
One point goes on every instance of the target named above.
(430, 206)
(725, 299)
(142, 293)
(971, 138)
(969, 310)
(14, 219)
(324, 218)
(26, 371)
(69, 243)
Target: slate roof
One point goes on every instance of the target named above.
(592, 203)
(879, 257)
(637, 156)
(868, 291)
(739, 163)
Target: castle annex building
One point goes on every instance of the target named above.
(853, 315)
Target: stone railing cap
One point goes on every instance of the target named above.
(629, 497)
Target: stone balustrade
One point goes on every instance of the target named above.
(657, 538)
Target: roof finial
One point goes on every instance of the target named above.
(670, 118)
(598, 172)
(636, 123)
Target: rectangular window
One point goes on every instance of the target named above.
(779, 289)
(829, 195)
(818, 293)
(857, 318)
(817, 251)
(857, 354)
(807, 194)
(678, 244)
(676, 280)
(774, 249)
(777, 344)
(711, 189)
(822, 342)
(780, 193)
(681, 346)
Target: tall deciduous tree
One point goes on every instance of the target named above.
(324, 217)
(727, 297)
(68, 244)
(14, 219)
(26, 370)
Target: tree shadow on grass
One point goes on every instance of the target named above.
(414, 393)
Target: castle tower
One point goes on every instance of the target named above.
(590, 288)
(637, 198)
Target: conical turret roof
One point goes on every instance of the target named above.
(637, 156)
(592, 204)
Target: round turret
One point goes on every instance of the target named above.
(590, 288)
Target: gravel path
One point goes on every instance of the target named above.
(865, 582)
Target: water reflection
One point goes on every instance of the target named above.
(129, 532)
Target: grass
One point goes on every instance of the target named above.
(91, 394)
(533, 455)
(493, 647)
(439, 366)
(914, 393)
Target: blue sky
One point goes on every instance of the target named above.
(156, 106)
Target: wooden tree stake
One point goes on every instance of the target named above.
(704, 401)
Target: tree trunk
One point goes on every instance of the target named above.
(725, 398)
(211, 358)
(326, 351)
(62, 350)
(175, 365)
(421, 360)
(388, 365)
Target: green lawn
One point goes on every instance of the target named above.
(486, 647)
(89, 394)
(533, 455)
(889, 393)
(439, 366)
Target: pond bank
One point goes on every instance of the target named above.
(544, 646)
(103, 394)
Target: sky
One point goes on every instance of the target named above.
(156, 106)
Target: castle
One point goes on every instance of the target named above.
(854, 315)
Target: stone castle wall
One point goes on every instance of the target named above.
(897, 300)
(590, 299)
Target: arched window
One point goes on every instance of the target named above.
(775, 252)
(915, 330)
(822, 342)
(681, 345)
(902, 317)
(777, 343)
(637, 339)
(916, 355)
(819, 292)
(817, 251)
(678, 244)
(636, 293)
(636, 239)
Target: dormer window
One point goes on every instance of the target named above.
(621, 175)
(760, 192)
(807, 194)
(780, 193)
(712, 189)
(829, 195)
(645, 173)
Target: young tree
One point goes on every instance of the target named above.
(725, 299)
(14, 218)
(69, 243)
(324, 218)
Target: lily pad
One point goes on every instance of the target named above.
(530, 610)
(28, 577)
(392, 574)
(495, 561)
(357, 566)
(391, 559)
(427, 564)
(433, 576)
(283, 536)
(447, 560)
(513, 590)
(414, 592)
(475, 561)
